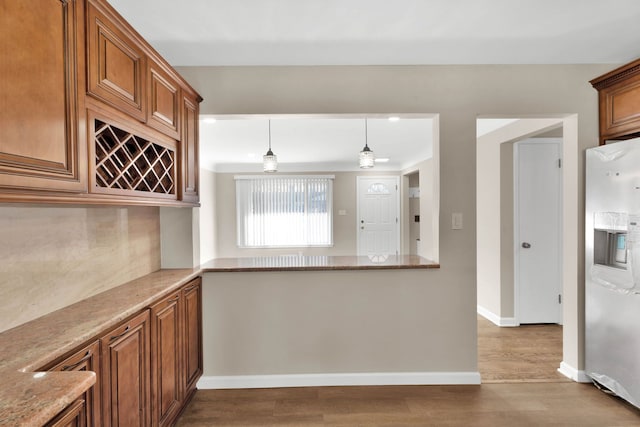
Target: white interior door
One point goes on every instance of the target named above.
(538, 234)
(378, 216)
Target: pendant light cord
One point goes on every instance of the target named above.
(366, 138)
(269, 134)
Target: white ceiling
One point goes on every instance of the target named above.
(307, 143)
(378, 32)
(369, 32)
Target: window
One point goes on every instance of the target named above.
(285, 211)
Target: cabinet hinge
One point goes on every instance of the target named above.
(559, 163)
(559, 298)
(396, 220)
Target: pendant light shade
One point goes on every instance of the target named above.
(270, 160)
(367, 158)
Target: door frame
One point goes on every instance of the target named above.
(516, 225)
(359, 178)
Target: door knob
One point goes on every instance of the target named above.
(526, 245)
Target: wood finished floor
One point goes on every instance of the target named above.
(521, 387)
(529, 353)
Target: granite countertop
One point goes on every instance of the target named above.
(317, 262)
(30, 398)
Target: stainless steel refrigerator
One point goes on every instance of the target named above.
(612, 244)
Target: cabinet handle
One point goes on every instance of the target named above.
(84, 358)
(188, 288)
(115, 337)
(174, 299)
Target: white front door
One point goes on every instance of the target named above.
(378, 216)
(538, 231)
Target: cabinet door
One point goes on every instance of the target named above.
(125, 379)
(115, 63)
(620, 108)
(86, 359)
(40, 54)
(192, 295)
(164, 110)
(72, 416)
(166, 359)
(189, 150)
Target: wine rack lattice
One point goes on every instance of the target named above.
(128, 162)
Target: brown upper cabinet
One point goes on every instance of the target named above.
(90, 113)
(189, 147)
(164, 101)
(115, 64)
(41, 80)
(619, 102)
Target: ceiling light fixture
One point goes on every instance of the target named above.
(367, 158)
(270, 160)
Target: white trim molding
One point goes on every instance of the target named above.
(494, 318)
(353, 379)
(571, 372)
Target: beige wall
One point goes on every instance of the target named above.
(51, 257)
(458, 94)
(207, 214)
(283, 323)
(507, 280)
(344, 226)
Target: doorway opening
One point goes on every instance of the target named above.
(500, 240)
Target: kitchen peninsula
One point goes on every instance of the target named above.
(34, 395)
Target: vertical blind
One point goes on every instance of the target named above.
(284, 211)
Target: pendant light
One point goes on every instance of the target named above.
(367, 158)
(270, 160)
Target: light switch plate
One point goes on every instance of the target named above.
(456, 221)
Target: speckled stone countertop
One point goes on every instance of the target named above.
(29, 398)
(318, 262)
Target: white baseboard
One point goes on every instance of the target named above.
(494, 318)
(355, 379)
(571, 372)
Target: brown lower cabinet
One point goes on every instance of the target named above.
(125, 374)
(176, 348)
(146, 368)
(166, 323)
(72, 416)
(86, 359)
